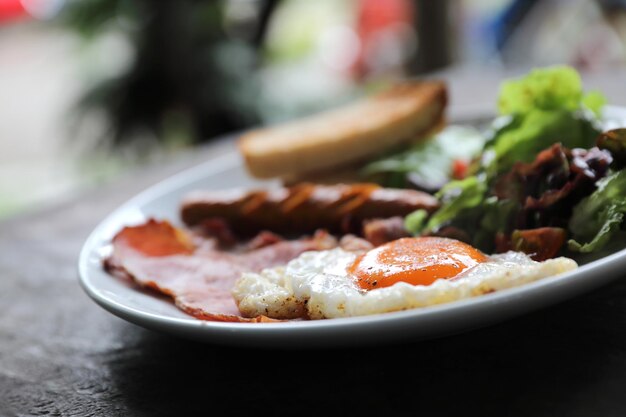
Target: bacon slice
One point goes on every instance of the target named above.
(159, 256)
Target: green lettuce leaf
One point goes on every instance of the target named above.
(599, 216)
(594, 101)
(527, 135)
(430, 160)
(456, 197)
(415, 222)
(544, 107)
(480, 217)
(551, 88)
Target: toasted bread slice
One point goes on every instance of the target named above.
(339, 137)
(351, 172)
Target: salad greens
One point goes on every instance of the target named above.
(456, 196)
(535, 176)
(428, 163)
(544, 107)
(598, 217)
(529, 133)
(552, 88)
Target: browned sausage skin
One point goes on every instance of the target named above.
(303, 208)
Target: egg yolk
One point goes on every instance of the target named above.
(415, 260)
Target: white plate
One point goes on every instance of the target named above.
(158, 313)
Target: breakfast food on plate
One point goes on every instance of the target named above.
(228, 235)
(545, 179)
(353, 133)
(459, 214)
(303, 208)
(400, 275)
(525, 208)
(323, 277)
(193, 270)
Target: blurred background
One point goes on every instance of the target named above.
(91, 89)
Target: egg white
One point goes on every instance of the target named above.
(316, 285)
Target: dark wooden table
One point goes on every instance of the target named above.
(62, 355)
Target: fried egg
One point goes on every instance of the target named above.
(402, 274)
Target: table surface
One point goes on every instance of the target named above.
(61, 354)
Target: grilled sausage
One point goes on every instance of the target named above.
(303, 208)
